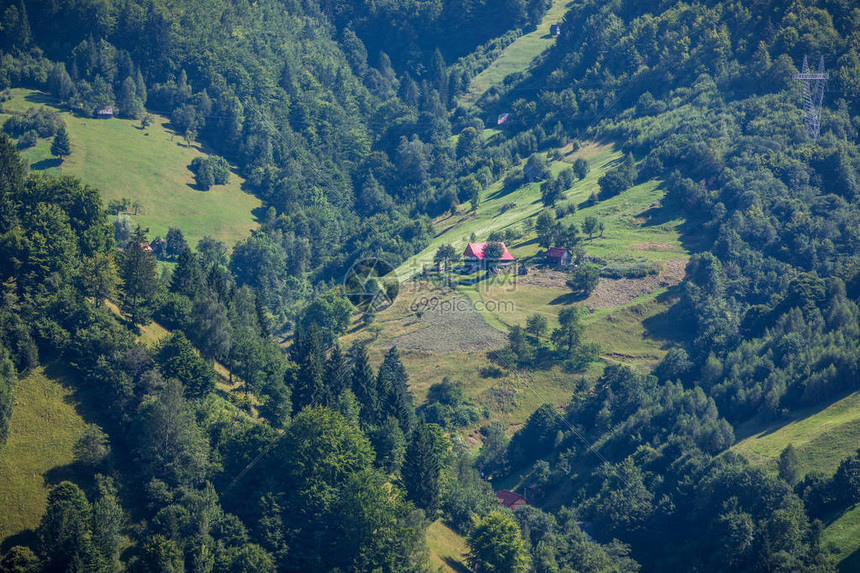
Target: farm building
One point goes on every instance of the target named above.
(557, 256)
(104, 112)
(510, 499)
(532, 173)
(473, 256)
(555, 29)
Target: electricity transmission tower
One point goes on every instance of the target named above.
(813, 96)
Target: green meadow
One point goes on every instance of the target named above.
(823, 437)
(149, 166)
(42, 433)
(519, 55)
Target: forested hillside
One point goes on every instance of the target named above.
(260, 433)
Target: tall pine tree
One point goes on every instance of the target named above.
(364, 385)
(336, 374)
(138, 273)
(8, 381)
(13, 171)
(392, 386)
(187, 277)
(421, 468)
(309, 387)
(61, 146)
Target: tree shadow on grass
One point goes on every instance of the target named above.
(259, 213)
(46, 164)
(41, 98)
(74, 472)
(671, 325)
(26, 538)
(850, 563)
(455, 565)
(568, 298)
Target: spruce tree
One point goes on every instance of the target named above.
(420, 472)
(336, 374)
(8, 381)
(187, 277)
(140, 280)
(13, 172)
(61, 146)
(262, 315)
(309, 387)
(364, 385)
(393, 389)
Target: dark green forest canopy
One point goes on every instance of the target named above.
(339, 115)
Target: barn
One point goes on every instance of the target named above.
(511, 500)
(557, 256)
(473, 256)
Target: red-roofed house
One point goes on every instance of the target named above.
(510, 499)
(474, 256)
(557, 256)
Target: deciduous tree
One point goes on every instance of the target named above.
(495, 545)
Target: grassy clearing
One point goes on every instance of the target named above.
(447, 548)
(44, 428)
(149, 166)
(842, 539)
(823, 437)
(519, 55)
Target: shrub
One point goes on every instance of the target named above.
(631, 271)
(580, 168)
(584, 278)
(28, 139)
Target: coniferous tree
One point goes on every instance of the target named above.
(263, 322)
(13, 171)
(61, 146)
(337, 375)
(421, 468)
(100, 277)
(177, 359)
(393, 390)
(8, 380)
(364, 385)
(140, 281)
(309, 387)
(187, 278)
